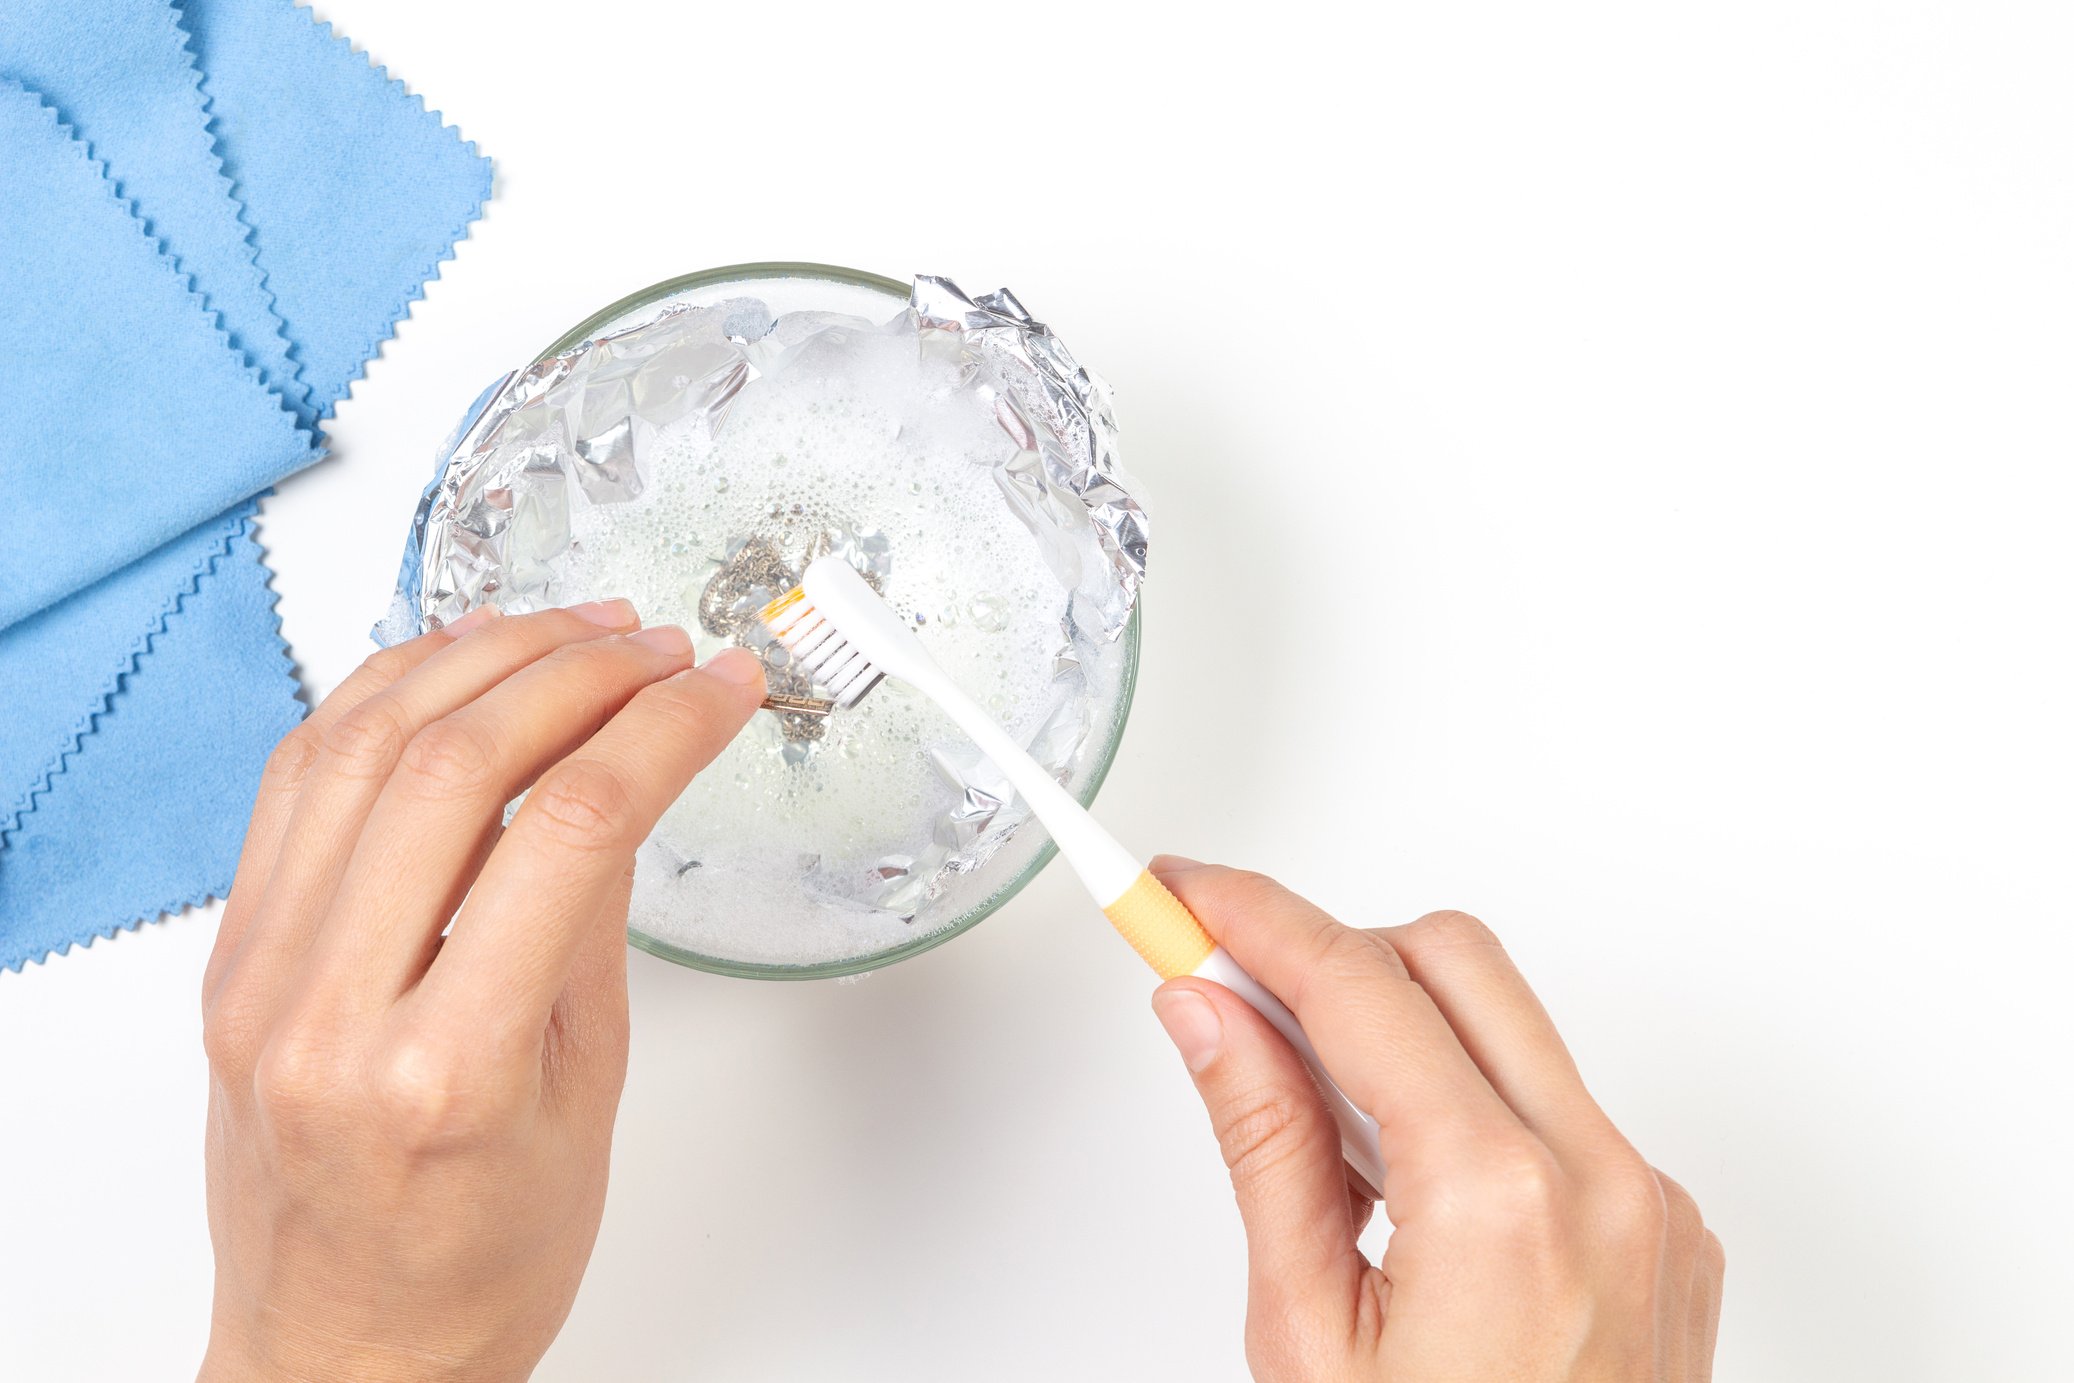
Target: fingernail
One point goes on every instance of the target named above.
(1174, 864)
(736, 665)
(1192, 1022)
(665, 638)
(480, 615)
(608, 614)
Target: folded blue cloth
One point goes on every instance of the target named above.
(130, 423)
(118, 72)
(141, 705)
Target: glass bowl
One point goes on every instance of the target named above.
(788, 287)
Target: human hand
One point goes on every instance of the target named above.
(409, 1133)
(1530, 1241)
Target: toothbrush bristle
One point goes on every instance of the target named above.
(818, 648)
(774, 612)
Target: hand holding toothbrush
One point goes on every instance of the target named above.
(1530, 1240)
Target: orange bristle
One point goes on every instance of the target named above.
(783, 603)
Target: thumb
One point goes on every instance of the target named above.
(1282, 1148)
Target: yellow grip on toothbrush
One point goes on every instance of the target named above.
(1165, 933)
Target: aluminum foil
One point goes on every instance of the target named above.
(585, 427)
(1066, 483)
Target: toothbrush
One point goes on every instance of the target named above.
(842, 634)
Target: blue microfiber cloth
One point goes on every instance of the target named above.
(353, 191)
(127, 408)
(125, 773)
(128, 417)
(60, 667)
(158, 824)
(118, 72)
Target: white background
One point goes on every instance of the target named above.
(1611, 475)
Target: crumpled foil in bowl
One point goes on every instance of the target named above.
(587, 427)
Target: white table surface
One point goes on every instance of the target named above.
(1656, 425)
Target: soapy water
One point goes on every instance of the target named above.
(788, 851)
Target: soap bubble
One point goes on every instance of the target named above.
(988, 612)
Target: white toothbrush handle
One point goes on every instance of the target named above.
(1158, 926)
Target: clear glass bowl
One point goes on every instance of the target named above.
(828, 287)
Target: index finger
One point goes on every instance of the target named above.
(1377, 1032)
(550, 884)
